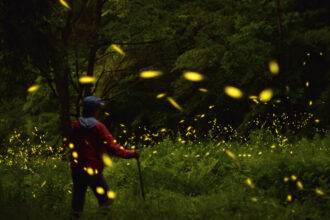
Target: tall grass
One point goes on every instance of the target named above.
(207, 180)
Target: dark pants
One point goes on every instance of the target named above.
(80, 183)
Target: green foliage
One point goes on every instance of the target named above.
(194, 181)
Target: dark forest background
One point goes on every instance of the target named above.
(229, 42)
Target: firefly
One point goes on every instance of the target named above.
(43, 183)
(100, 190)
(90, 171)
(289, 198)
(71, 146)
(87, 79)
(160, 95)
(75, 154)
(65, 4)
(274, 67)
(174, 103)
(111, 194)
(33, 88)
(148, 74)
(293, 177)
(193, 76)
(203, 90)
(319, 192)
(249, 183)
(107, 160)
(233, 92)
(118, 49)
(230, 154)
(266, 95)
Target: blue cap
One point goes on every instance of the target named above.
(91, 101)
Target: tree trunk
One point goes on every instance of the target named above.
(61, 72)
(279, 22)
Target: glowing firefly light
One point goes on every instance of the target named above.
(65, 4)
(300, 185)
(150, 74)
(233, 92)
(254, 199)
(111, 194)
(100, 190)
(160, 95)
(90, 171)
(174, 103)
(307, 84)
(107, 160)
(33, 88)
(319, 192)
(321, 53)
(253, 97)
(230, 154)
(43, 184)
(107, 113)
(75, 154)
(71, 146)
(317, 121)
(310, 103)
(266, 95)
(193, 76)
(118, 49)
(249, 183)
(293, 177)
(87, 79)
(211, 106)
(203, 90)
(289, 198)
(274, 67)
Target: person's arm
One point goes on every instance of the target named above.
(114, 148)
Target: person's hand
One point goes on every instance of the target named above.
(137, 153)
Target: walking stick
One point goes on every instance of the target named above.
(140, 175)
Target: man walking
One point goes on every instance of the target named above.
(89, 140)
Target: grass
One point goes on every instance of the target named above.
(205, 180)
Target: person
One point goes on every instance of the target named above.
(89, 140)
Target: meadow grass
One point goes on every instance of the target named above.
(266, 177)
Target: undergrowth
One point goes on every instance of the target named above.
(265, 177)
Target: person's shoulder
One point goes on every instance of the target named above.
(100, 125)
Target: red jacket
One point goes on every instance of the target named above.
(90, 144)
